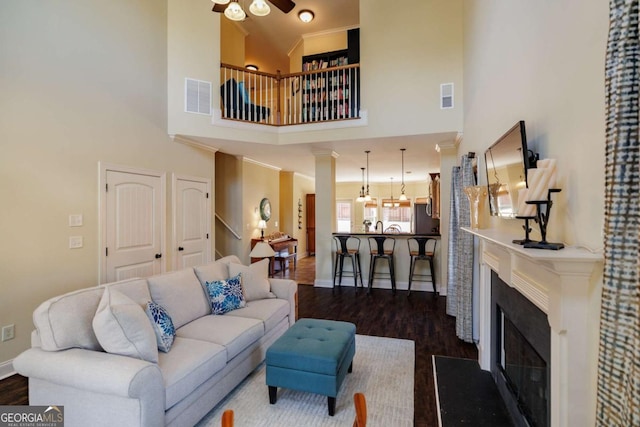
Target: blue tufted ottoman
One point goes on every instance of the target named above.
(314, 356)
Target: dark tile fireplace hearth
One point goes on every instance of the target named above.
(521, 362)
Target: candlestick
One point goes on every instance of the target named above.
(523, 208)
(538, 183)
(550, 164)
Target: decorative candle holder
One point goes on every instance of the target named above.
(542, 218)
(527, 230)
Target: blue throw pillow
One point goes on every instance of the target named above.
(162, 325)
(225, 295)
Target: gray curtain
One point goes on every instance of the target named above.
(460, 253)
(618, 395)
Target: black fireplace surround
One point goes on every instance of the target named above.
(521, 356)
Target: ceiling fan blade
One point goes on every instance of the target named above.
(284, 5)
(220, 8)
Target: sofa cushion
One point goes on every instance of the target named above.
(136, 289)
(212, 271)
(255, 279)
(181, 294)
(189, 364)
(162, 325)
(65, 321)
(232, 332)
(225, 295)
(122, 327)
(269, 311)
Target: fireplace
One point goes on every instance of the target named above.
(521, 362)
(546, 309)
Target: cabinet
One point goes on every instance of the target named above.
(311, 224)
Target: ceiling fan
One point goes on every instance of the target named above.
(233, 10)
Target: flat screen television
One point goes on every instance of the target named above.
(507, 161)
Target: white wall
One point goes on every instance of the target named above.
(542, 62)
(82, 81)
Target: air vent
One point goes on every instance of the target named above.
(197, 96)
(446, 96)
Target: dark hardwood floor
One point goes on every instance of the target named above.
(421, 318)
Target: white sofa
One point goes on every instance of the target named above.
(211, 354)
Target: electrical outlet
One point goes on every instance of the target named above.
(8, 332)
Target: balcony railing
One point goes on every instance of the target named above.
(318, 96)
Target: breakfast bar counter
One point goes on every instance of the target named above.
(401, 262)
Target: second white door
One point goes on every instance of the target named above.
(192, 229)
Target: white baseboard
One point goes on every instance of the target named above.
(6, 369)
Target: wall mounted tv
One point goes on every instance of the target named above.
(507, 161)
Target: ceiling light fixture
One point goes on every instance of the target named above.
(367, 197)
(361, 196)
(391, 203)
(403, 196)
(259, 8)
(306, 16)
(220, 1)
(251, 67)
(234, 12)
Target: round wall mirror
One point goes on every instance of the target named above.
(265, 209)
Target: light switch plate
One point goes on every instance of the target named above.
(75, 242)
(75, 220)
(8, 332)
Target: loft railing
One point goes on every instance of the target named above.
(315, 96)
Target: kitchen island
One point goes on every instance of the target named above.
(402, 263)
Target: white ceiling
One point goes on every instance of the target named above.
(284, 31)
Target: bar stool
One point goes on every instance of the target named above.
(421, 249)
(347, 246)
(382, 247)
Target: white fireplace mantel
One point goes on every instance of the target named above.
(566, 285)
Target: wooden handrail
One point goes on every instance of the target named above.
(237, 236)
(279, 76)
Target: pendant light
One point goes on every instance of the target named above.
(403, 197)
(367, 196)
(361, 196)
(391, 203)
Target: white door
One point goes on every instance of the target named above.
(191, 221)
(133, 224)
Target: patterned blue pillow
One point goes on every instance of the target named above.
(225, 295)
(162, 325)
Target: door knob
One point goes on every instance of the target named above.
(180, 248)
(158, 256)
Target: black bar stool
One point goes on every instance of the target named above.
(421, 249)
(382, 247)
(347, 246)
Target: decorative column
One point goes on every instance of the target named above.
(325, 214)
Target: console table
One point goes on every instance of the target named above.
(277, 245)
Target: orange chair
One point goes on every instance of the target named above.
(361, 410)
(227, 418)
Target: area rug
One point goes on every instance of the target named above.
(383, 369)
(467, 395)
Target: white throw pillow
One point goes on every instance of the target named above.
(255, 279)
(122, 327)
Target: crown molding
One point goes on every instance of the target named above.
(188, 141)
